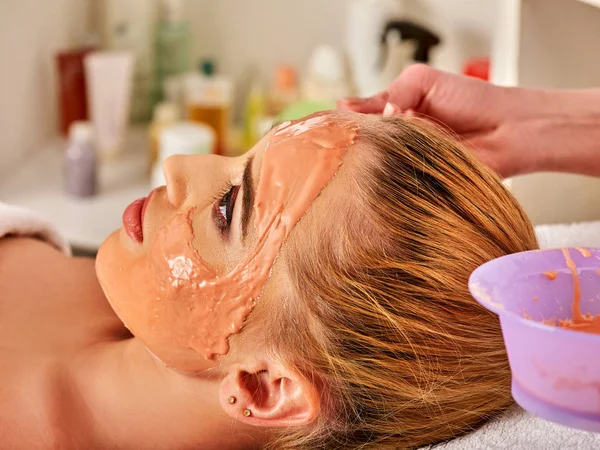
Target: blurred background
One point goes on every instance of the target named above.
(94, 94)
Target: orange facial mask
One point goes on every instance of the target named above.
(188, 311)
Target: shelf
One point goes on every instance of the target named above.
(38, 186)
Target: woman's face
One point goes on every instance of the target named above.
(191, 261)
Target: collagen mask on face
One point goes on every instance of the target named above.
(188, 311)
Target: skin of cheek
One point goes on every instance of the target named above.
(173, 301)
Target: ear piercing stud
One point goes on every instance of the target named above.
(232, 401)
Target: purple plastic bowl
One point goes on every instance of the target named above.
(555, 371)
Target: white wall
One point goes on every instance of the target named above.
(558, 48)
(30, 32)
(263, 33)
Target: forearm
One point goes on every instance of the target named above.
(565, 137)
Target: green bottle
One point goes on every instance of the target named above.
(173, 45)
(254, 114)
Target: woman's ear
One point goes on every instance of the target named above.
(269, 394)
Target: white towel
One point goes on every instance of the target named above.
(21, 222)
(517, 429)
(584, 234)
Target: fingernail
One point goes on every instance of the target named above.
(389, 109)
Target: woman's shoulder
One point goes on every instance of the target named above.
(30, 249)
(25, 260)
(16, 221)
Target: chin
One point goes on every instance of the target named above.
(130, 283)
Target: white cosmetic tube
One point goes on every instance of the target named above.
(109, 83)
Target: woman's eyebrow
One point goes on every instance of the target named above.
(248, 197)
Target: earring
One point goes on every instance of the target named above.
(247, 413)
(232, 400)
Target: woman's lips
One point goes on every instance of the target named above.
(133, 219)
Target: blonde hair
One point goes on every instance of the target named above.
(383, 319)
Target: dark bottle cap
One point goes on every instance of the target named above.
(207, 67)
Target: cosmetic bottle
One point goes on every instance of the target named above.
(72, 95)
(172, 44)
(285, 90)
(80, 161)
(327, 78)
(208, 98)
(129, 26)
(182, 138)
(109, 77)
(254, 112)
(165, 114)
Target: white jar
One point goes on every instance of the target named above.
(182, 138)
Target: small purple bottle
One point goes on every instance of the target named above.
(81, 161)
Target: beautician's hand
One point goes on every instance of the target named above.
(513, 130)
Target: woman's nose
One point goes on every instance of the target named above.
(175, 176)
(190, 178)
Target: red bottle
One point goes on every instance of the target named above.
(71, 87)
(478, 68)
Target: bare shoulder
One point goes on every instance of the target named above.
(41, 280)
(27, 257)
(20, 247)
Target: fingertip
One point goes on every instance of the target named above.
(390, 109)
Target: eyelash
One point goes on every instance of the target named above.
(226, 198)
